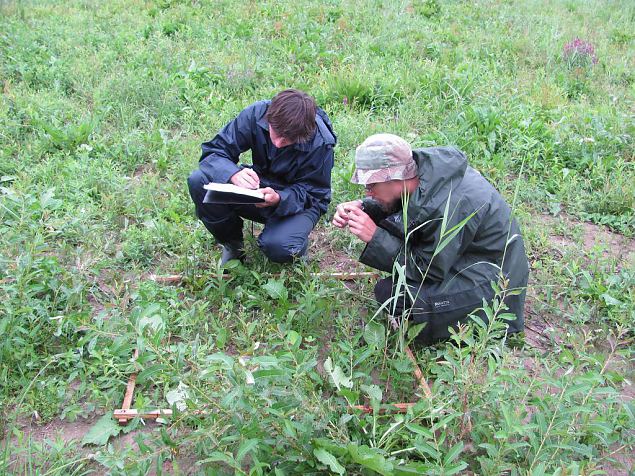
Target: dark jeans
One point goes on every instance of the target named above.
(283, 238)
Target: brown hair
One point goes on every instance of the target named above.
(292, 115)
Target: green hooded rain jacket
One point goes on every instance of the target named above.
(451, 282)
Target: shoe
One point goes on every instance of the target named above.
(232, 250)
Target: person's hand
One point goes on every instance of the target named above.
(272, 198)
(340, 219)
(360, 224)
(246, 178)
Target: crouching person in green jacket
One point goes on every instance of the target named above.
(449, 274)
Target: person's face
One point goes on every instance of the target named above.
(277, 140)
(387, 194)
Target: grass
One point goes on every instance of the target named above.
(102, 112)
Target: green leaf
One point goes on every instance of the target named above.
(453, 453)
(101, 431)
(276, 289)
(149, 372)
(294, 338)
(221, 338)
(373, 392)
(413, 468)
(375, 395)
(150, 318)
(369, 458)
(403, 365)
(455, 469)
(246, 446)
(329, 460)
(491, 141)
(421, 430)
(451, 233)
(224, 360)
(414, 330)
(265, 373)
(336, 373)
(330, 446)
(349, 395)
(167, 439)
(266, 361)
(217, 456)
(538, 470)
(610, 300)
(375, 335)
(178, 396)
(425, 448)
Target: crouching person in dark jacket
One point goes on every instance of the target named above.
(291, 142)
(448, 274)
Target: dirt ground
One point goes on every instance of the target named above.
(592, 236)
(72, 433)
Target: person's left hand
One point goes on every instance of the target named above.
(360, 224)
(272, 198)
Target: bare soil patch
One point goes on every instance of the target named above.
(330, 257)
(592, 236)
(72, 433)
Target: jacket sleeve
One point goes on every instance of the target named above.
(220, 155)
(312, 185)
(382, 250)
(419, 258)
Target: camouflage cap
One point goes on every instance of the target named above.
(383, 157)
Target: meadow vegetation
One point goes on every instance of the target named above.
(103, 107)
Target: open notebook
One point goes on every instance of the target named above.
(231, 194)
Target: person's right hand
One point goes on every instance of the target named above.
(246, 178)
(340, 219)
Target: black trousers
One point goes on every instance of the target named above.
(283, 238)
(438, 312)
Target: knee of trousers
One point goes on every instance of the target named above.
(383, 290)
(280, 249)
(195, 183)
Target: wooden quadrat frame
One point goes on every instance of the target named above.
(124, 414)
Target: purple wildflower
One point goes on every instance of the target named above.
(579, 53)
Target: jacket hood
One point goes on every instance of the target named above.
(324, 127)
(441, 169)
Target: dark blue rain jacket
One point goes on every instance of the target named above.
(300, 173)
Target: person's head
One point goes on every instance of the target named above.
(291, 117)
(385, 166)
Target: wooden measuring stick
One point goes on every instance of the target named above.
(127, 398)
(177, 278)
(123, 416)
(396, 407)
(418, 373)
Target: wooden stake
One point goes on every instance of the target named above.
(177, 278)
(395, 407)
(127, 398)
(123, 416)
(419, 374)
